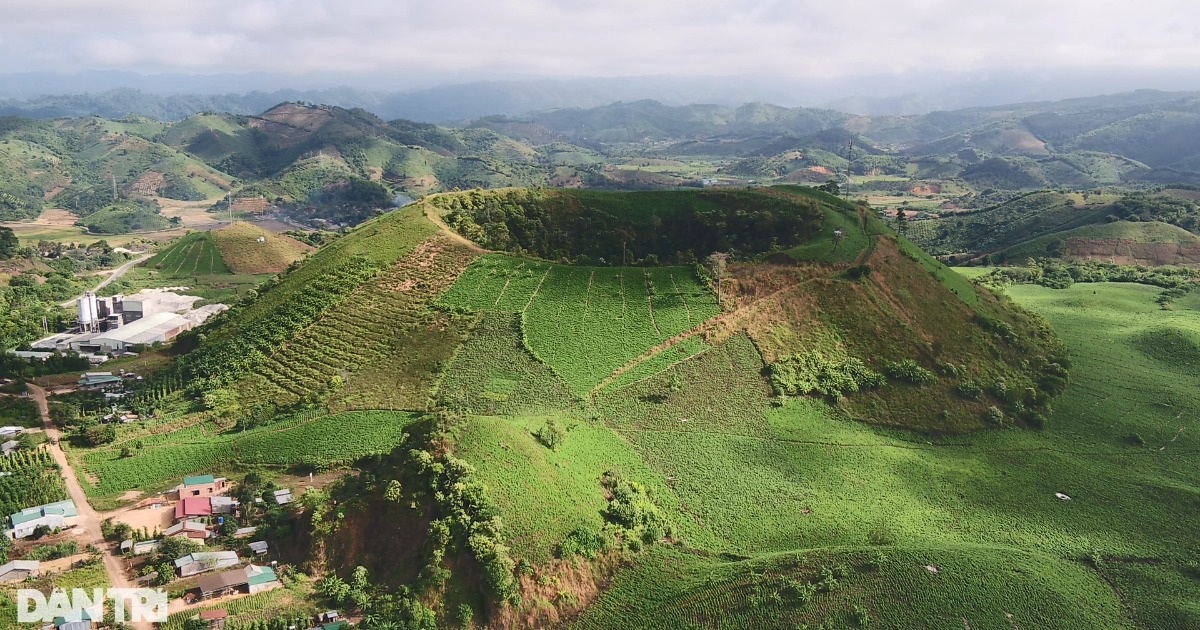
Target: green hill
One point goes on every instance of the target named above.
(548, 411)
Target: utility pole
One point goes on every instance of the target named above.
(849, 161)
(114, 182)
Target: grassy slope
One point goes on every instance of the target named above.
(1134, 232)
(799, 477)
(242, 253)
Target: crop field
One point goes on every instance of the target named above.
(585, 322)
(320, 442)
(30, 478)
(193, 255)
(384, 339)
(239, 247)
(493, 374)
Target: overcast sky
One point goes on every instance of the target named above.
(789, 38)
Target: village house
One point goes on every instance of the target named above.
(58, 515)
(204, 561)
(194, 530)
(202, 486)
(214, 618)
(249, 580)
(193, 508)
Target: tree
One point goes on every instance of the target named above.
(830, 186)
(98, 434)
(8, 243)
(552, 435)
(901, 221)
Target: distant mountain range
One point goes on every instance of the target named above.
(342, 160)
(451, 99)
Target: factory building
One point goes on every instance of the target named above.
(114, 325)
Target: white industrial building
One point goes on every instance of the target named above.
(113, 325)
(152, 328)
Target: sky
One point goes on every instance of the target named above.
(596, 38)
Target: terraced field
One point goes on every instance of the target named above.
(379, 347)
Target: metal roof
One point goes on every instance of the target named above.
(62, 508)
(198, 480)
(202, 556)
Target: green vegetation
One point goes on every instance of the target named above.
(590, 227)
(193, 255)
(608, 315)
(123, 219)
(31, 479)
(304, 441)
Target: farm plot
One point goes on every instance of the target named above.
(585, 322)
(493, 374)
(324, 441)
(380, 347)
(29, 478)
(193, 255)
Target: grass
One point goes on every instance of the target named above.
(773, 480)
(828, 250)
(305, 441)
(585, 322)
(544, 494)
(193, 255)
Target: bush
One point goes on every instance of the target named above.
(811, 372)
(551, 435)
(582, 542)
(910, 372)
(970, 390)
(98, 434)
(994, 416)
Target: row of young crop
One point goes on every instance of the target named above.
(30, 478)
(300, 441)
(220, 361)
(364, 328)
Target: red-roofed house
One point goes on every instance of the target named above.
(193, 507)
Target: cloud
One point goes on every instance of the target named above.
(786, 38)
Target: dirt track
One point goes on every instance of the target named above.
(87, 528)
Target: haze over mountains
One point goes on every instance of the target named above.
(451, 98)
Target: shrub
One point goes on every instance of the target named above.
(970, 390)
(551, 435)
(910, 372)
(994, 416)
(811, 372)
(582, 542)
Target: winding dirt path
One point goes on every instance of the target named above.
(433, 216)
(87, 528)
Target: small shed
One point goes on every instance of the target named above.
(18, 570)
(215, 618)
(283, 497)
(259, 547)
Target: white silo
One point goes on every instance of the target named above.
(85, 313)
